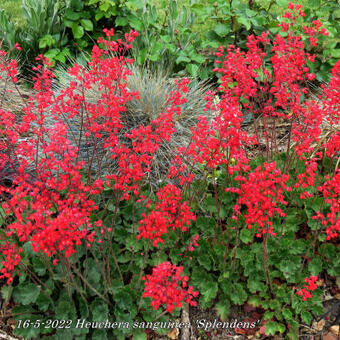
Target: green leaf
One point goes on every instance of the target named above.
(26, 293)
(93, 274)
(246, 235)
(99, 310)
(39, 266)
(77, 4)
(268, 315)
(6, 292)
(135, 23)
(204, 260)
(244, 21)
(223, 309)
(281, 328)
(78, 31)
(256, 286)
(271, 327)
(46, 40)
(65, 309)
(192, 69)
(124, 299)
(43, 302)
(274, 305)
(314, 3)
(335, 53)
(255, 301)
(52, 53)
(198, 58)
(182, 59)
(71, 15)
(99, 15)
(221, 29)
(209, 291)
(315, 266)
(238, 294)
(121, 21)
(104, 6)
(166, 38)
(287, 314)
(210, 203)
(142, 56)
(137, 4)
(139, 335)
(87, 24)
(306, 317)
(99, 334)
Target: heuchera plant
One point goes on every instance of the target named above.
(53, 196)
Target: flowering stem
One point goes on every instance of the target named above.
(89, 285)
(265, 265)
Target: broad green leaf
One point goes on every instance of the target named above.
(71, 15)
(99, 310)
(268, 315)
(221, 29)
(99, 334)
(182, 59)
(99, 15)
(139, 335)
(306, 317)
(223, 309)
(198, 58)
(93, 272)
(255, 285)
(271, 328)
(281, 328)
(255, 301)
(287, 314)
(244, 21)
(335, 53)
(38, 266)
(166, 38)
(135, 23)
(87, 24)
(121, 21)
(6, 292)
(209, 291)
(204, 260)
(314, 3)
(26, 293)
(192, 69)
(104, 6)
(65, 309)
(43, 302)
(77, 30)
(124, 299)
(77, 4)
(315, 266)
(238, 294)
(246, 235)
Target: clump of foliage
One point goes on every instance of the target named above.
(260, 231)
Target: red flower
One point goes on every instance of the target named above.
(167, 287)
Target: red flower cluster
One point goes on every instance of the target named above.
(12, 255)
(52, 211)
(48, 198)
(331, 192)
(261, 191)
(169, 213)
(309, 287)
(167, 286)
